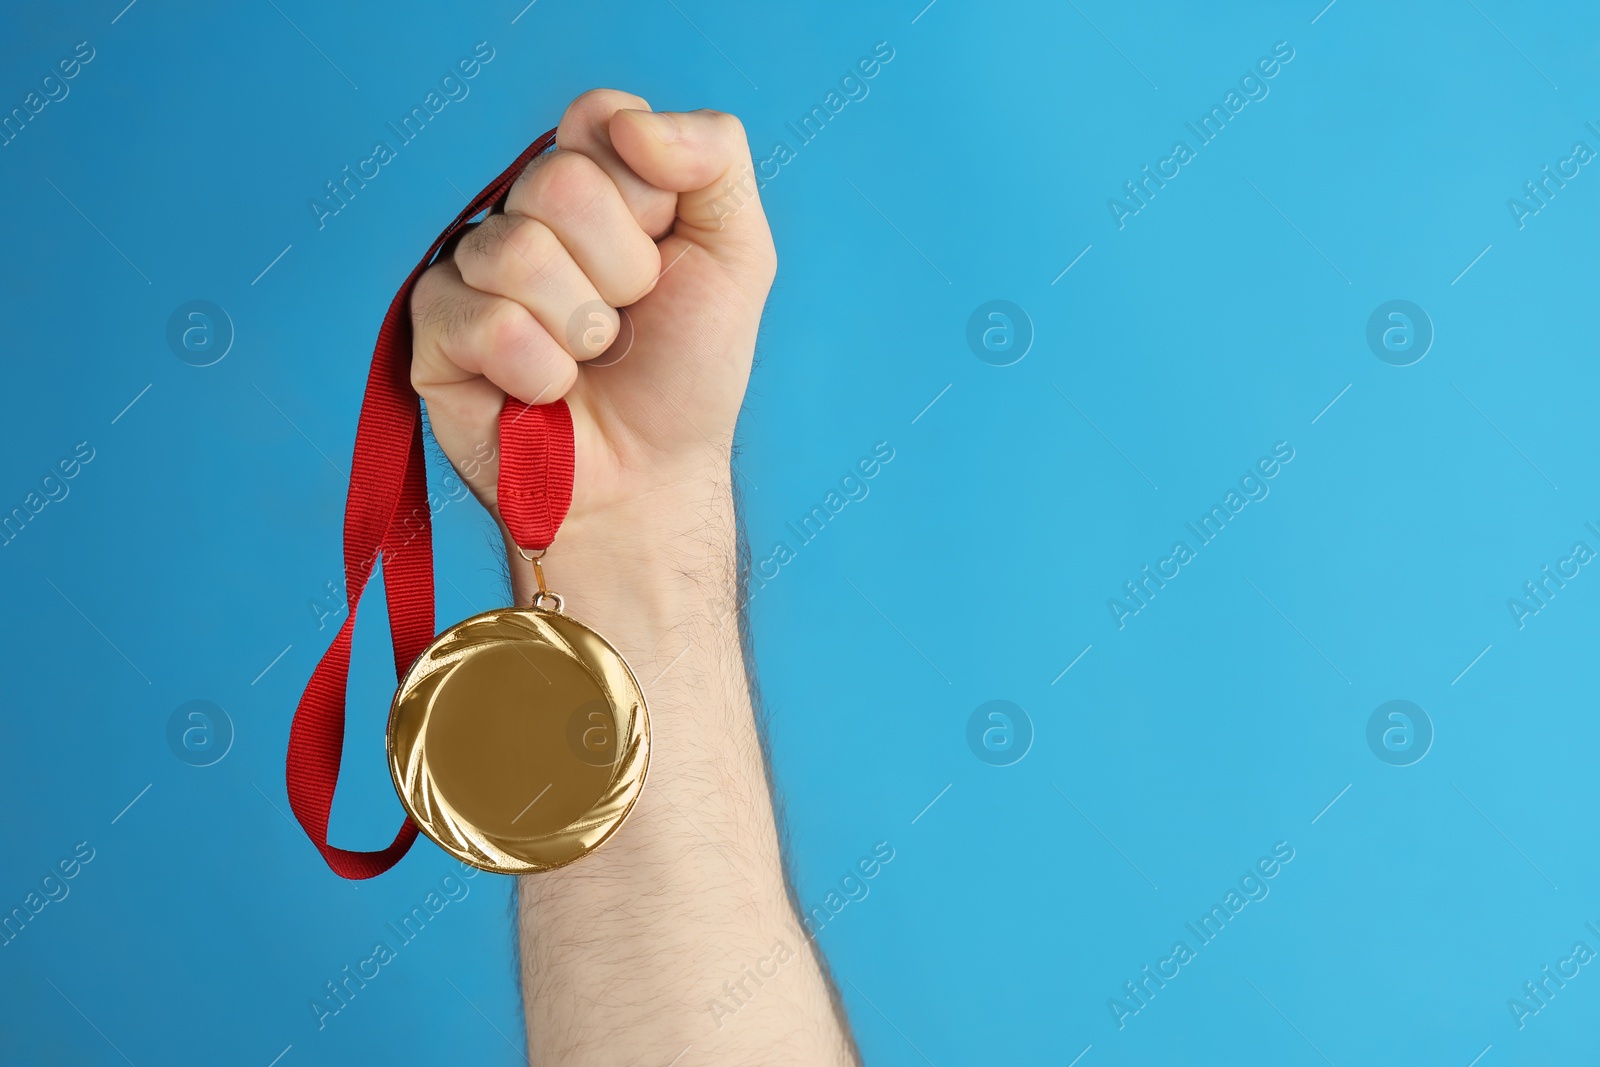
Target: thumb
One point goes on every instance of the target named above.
(704, 157)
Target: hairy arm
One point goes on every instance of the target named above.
(677, 937)
(641, 239)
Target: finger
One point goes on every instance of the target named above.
(703, 156)
(585, 128)
(463, 334)
(572, 195)
(521, 259)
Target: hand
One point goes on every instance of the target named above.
(652, 213)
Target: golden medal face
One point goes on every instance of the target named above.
(519, 740)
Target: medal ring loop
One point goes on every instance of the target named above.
(538, 573)
(545, 601)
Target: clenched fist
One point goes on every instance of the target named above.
(627, 275)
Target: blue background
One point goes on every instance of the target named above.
(1228, 715)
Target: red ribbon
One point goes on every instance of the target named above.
(386, 513)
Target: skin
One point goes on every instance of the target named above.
(678, 937)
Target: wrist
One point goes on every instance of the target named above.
(644, 563)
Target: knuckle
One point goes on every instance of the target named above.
(568, 185)
(531, 251)
(435, 311)
(507, 251)
(419, 380)
(635, 279)
(505, 327)
(565, 377)
(477, 244)
(424, 300)
(727, 126)
(598, 104)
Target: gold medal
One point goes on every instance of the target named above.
(519, 739)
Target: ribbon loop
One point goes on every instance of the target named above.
(536, 458)
(387, 516)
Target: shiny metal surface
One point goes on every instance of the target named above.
(519, 740)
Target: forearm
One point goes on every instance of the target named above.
(625, 954)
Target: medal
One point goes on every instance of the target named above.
(518, 740)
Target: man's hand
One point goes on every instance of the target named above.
(655, 213)
(675, 941)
